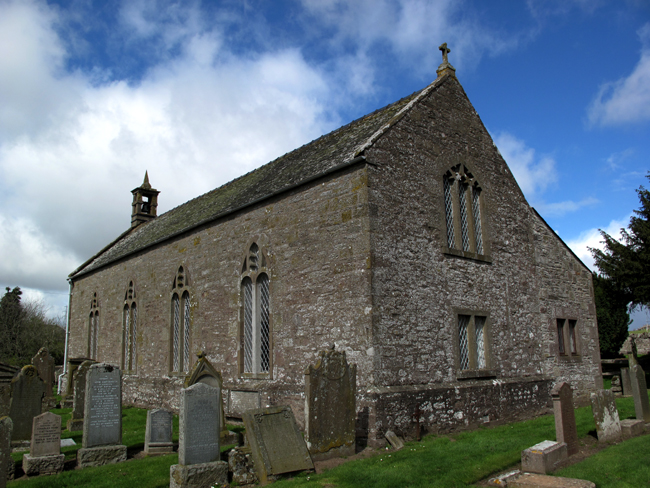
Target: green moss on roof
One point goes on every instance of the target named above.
(301, 165)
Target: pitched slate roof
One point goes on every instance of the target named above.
(318, 158)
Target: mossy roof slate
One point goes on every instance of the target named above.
(321, 156)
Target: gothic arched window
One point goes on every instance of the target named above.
(255, 316)
(129, 330)
(180, 323)
(93, 328)
(463, 214)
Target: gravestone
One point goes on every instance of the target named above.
(5, 449)
(7, 373)
(67, 396)
(199, 452)
(616, 388)
(102, 436)
(241, 400)
(606, 417)
(158, 432)
(565, 420)
(543, 457)
(45, 450)
(44, 364)
(330, 406)
(640, 393)
(76, 422)
(626, 383)
(276, 443)
(27, 392)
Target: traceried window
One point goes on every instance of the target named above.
(129, 330)
(181, 318)
(93, 328)
(567, 344)
(463, 214)
(472, 340)
(255, 333)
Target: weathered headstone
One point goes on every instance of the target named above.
(199, 453)
(7, 373)
(44, 364)
(5, 449)
(543, 457)
(640, 393)
(626, 383)
(240, 464)
(565, 420)
(76, 422)
(241, 400)
(158, 432)
(395, 442)
(45, 450)
(27, 392)
(330, 406)
(277, 446)
(608, 424)
(67, 396)
(102, 437)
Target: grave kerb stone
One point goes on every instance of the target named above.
(603, 407)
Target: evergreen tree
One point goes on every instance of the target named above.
(613, 316)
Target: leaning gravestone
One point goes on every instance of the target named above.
(26, 402)
(606, 417)
(44, 364)
(45, 450)
(76, 422)
(5, 449)
(102, 437)
(277, 446)
(626, 383)
(640, 393)
(199, 451)
(565, 420)
(330, 406)
(158, 432)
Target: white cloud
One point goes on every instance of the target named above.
(628, 99)
(534, 174)
(592, 238)
(558, 209)
(615, 160)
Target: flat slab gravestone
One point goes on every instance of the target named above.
(626, 383)
(102, 436)
(199, 452)
(330, 406)
(565, 420)
(608, 424)
(27, 391)
(6, 426)
(158, 432)
(277, 445)
(45, 449)
(640, 393)
(76, 422)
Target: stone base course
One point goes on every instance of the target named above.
(544, 457)
(632, 428)
(75, 424)
(98, 456)
(335, 452)
(159, 448)
(202, 475)
(33, 466)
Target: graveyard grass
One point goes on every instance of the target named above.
(458, 460)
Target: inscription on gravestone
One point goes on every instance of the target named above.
(46, 435)
(103, 406)
(27, 391)
(565, 421)
(199, 424)
(158, 433)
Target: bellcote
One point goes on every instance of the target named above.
(145, 203)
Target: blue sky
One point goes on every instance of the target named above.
(93, 93)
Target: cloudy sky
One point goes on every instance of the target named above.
(93, 93)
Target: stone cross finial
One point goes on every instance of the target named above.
(445, 50)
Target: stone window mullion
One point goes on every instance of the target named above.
(471, 343)
(455, 193)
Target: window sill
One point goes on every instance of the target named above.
(471, 374)
(486, 258)
(177, 374)
(256, 376)
(129, 372)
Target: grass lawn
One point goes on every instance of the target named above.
(458, 460)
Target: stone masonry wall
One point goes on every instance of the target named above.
(316, 239)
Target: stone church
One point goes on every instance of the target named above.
(401, 238)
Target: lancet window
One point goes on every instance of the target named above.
(463, 211)
(93, 328)
(129, 330)
(181, 320)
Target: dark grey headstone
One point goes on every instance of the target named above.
(5, 448)
(44, 364)
(640, 393)
(626, 383)
(277, 445)
(606, 417)
(565, 420)
(330, 404)
(158, 432)
(199, 424)
(27, 392)
(46, 435)
(103, 406)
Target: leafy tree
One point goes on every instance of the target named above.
(25, 328)
(613, 316)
